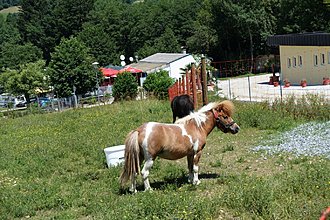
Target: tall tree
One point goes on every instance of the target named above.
(37, 25)
(166, 43)
(13, 55)
(71, 67)
(103, 47)
(9, 32)
(297, 16)
(151, 19)
(241, 26)
(102, 33)
(70, 15)
(45, 22)
(204, 37)
(255, 23)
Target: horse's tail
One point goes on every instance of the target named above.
(132, 157)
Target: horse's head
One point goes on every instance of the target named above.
(222, 114)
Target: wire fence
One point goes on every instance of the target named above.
(258, 89)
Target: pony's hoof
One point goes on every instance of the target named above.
(196, 182)
(133, 191)
(148, 189)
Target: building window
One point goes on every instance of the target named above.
(289, 62)
(316, 61)
(328, 57)
(294, 64)
(299, 60)
(322, 58)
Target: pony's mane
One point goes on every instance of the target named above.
(227, 107)
(200, 116)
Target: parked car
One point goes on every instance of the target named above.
(8, 100)
(20, 101)
(43, 101)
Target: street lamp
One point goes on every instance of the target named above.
(95, 64)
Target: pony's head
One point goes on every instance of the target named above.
(222, 112)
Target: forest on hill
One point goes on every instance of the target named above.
(222, 29)
(69, 35)
(8, 3)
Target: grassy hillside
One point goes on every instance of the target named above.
(6, 11)
(53, 166)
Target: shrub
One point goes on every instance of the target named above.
(158, 84)
(125, 86)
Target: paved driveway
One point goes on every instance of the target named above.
(256, 88)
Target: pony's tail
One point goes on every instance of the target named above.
(132, 158)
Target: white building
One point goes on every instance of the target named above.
(171, 62)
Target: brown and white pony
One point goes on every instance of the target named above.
(187, 137)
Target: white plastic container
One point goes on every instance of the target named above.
(115, 155)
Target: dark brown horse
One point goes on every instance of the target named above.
(173, 141)
(182, 106)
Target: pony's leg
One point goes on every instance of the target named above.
(196, 181)
(190, 160)
(133, 184)
(145, 173)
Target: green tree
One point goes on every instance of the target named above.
(26, 80)
(103, 48)
(45, 22)
(151, 21)
(71, 66)
(158, 83)
(242, 27)
(9, 32)
(254, 21)
(13, 52)
(165, 43)
(297, 16)
(70, 15)
(204, 36)
(37, 24)
(125, 86)
(13, 55)
(102, 33)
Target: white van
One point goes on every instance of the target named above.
(7, 99)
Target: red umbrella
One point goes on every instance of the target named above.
(130, 69)
(109, 72)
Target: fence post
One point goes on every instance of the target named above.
(229, 89)
(193, 79)
(183, 88)
(179, 86)
(249, 87)
(281, 92)
(204, 81)
(176, 88)
(198, 75)
(187, 83)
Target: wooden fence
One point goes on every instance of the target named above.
(193, 83)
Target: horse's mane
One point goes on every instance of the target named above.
(227, 107)
(200, 116)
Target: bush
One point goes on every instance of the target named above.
(158, 84)
(125, 86)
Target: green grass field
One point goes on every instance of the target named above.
(53, 167)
